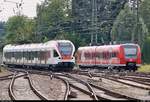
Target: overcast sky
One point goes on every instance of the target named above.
(6, 8)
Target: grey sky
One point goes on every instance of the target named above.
(6, 8)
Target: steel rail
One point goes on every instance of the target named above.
(109, 92)
(115, 79)
(67, 92)
(10, 88)
(6, 76)
(76, 87)
(89, 86)
(34, 89)
(138, 81)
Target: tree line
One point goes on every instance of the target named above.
(54, 19)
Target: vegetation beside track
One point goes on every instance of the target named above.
(2, 69)
(144, 68)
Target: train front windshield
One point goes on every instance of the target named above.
(130, 51)
(65, 48)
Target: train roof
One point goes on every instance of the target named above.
(115, 46)
(33, 46)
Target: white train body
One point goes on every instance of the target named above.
(56, 53)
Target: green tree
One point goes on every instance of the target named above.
(146, 50)
(145, 12)
(123, 27)
(50, 15)
(145, 17)
(19, 29)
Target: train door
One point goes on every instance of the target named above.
(55, 57)
(110, 56)
(48, 56)
(97, 56)
(42, 57)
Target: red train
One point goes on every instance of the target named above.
(122, 56)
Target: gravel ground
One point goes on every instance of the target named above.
(52, 89)
(4, 90)
(23, 91)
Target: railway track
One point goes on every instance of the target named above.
(144, 81)
(66, 87)
(100, 92)
(139, 86)
(92, 91)
(6, 76)
(65, 84)
(80, 86)
(140, 74)
(113, 95)
(129, 81)
(13, 93)
(5, 88)
(4, 84)
(139, 82)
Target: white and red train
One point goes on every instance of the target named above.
(56, 54)
(127, 56)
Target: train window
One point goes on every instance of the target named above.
(20, 55)
(34, 55)
(31, 55)
(47, 54)
(93, 54)
(12, 54)
(42, 57)
(103, 55)
(79, 55)
(114, 54)
(107, 55)
(15, 55)
(99, 55)
(27, 55)
(87, 55)
(6, 54)
(38, 55)
(55, 54)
